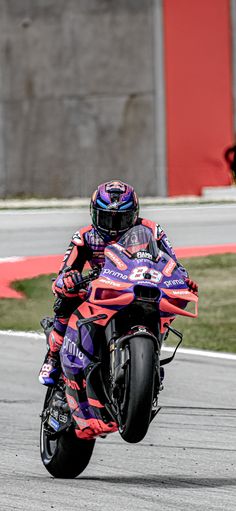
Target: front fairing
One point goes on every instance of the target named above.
(135, 261)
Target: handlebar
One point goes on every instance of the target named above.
(92, 275)
(84, 281)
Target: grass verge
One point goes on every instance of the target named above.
(214, 329)
(25, 314)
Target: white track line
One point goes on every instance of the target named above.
(28, 335)
(202, 353)
(153, 207)
(13, 259)
(184, 351)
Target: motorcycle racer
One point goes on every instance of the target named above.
(114, 209)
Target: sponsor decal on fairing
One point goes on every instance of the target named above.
(110, 282)
(144, 255)
(169, 268)
(115, 259)
(116, 274)
(53, 423)
(176, 282)
(72, 348)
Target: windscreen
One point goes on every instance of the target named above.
(140, 238)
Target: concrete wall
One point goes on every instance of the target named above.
(76, 96)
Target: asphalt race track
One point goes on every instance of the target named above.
(43, 232)
(186, 462)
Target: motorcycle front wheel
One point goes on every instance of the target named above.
(136, 405)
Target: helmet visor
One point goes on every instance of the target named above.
(117, 221)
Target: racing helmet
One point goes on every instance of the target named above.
(114, 208)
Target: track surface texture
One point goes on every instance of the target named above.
(42, 232)
(186, 462)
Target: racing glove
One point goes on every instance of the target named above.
(192, 286)
(68, 284)
(71, 279)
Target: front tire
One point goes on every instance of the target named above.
(139, 387)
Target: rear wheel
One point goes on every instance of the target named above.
(136, 407)
(65, 455)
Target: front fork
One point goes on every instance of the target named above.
(119, 358)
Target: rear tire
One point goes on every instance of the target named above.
(64, 456)
(139, 387)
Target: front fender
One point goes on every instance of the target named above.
(136, 331)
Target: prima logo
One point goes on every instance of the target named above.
(72, 348)
(172, 283)
(116, 274)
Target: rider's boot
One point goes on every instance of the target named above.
(51, 368)
(92, 420)
(89, 413)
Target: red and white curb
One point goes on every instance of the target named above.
(19, 268)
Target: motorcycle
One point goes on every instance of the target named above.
(111, 354)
